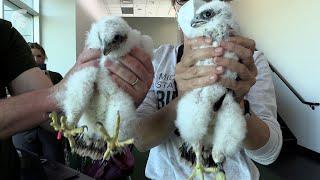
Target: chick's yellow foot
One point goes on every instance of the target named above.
(68, 131)
(113, 144)
(201, 170)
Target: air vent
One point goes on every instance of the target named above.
(127, 10)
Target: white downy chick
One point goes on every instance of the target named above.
(92, 99)
(225, 131)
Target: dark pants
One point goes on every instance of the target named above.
(40, 142)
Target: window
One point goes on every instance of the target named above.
(28, 2)
(23, 16)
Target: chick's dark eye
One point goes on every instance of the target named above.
(207, 14)
(117, 37)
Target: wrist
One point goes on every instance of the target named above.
(51, 100)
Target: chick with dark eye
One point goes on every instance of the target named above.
(207, 14)
(114, 44)
(116, 38)
(203, 18)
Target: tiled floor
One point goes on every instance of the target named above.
(292, 166)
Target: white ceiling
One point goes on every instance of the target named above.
(141, 8)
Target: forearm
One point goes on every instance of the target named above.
(257, 133)
(151, 131)
(25, 111)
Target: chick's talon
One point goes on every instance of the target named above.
(54, 118)
(68, 131)
(201, 170)
(113, 143)
(74, 131)
(103, 132)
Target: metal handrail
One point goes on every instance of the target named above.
(311, 104)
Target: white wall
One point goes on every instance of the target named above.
(88, 11)
(288, 32)
(58, 33)
(162, 30)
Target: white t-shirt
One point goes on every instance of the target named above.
(165, 161)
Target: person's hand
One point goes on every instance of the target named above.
(88, 58)
(245, 68)
(188, 75)
(134, 74)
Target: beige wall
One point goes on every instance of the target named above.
(58, 33)
(162, 30)
(287, 31)
(87, 11)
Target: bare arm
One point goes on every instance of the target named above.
(25, 111)
(21, 112)
(155, 128)
(30, 80)
(257, 133)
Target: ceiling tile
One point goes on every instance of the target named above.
(141, 8)
(139, 1)
(112, 1)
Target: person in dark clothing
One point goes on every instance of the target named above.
(31, 93)
(38, 140)
(17, 65)
(40, 56)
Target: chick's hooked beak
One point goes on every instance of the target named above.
(114, 44)
(198, 21)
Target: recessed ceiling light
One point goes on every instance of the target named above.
(127, 10)
(126, 1)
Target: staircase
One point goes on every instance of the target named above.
(289, 140)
